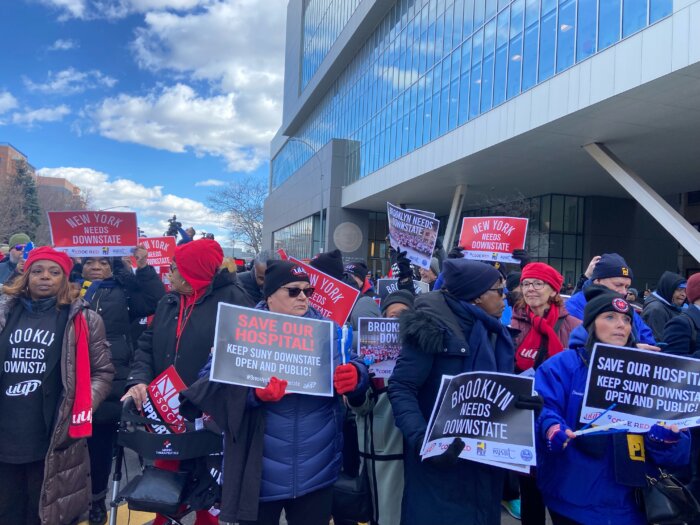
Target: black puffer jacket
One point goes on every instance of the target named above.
(157, 347)
(134, 296)
(658, 307)
(250, 285)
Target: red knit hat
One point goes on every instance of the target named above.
(692, 288)
(543, 272)
(46, 253)
(198, 261)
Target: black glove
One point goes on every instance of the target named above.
(456, 253)
(522, 256)
(404, 265)
(530, 403)
(448, 458)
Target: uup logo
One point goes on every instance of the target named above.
(24, 388)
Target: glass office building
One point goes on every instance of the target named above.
(454, 105)
(433, 65)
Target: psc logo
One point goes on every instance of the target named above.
(526, 455)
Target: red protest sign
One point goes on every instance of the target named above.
(492, 238)
(161, 251)
(163, 403)
(332, 298)
(93, 233)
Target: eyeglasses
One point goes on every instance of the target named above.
(294, 292)
(499, 291)
(535, 285)
(18, 247)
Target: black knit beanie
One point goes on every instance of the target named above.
(601, 299)
(330, 263)
(467, 279)
(358, 269)
(398, 297)
(279, 273)
(611, 265)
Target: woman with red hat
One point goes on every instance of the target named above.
(543, 326)
(182, 330)
(55, 372)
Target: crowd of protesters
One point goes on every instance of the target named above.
(75, 347)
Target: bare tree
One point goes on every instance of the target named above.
(56, 199)
(242, 204)
(11, 214)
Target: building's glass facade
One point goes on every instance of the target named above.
(555, 229)
(433, 65)
(301, 239)
(323, 22)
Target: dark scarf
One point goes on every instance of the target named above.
(489, 341)
(88, 293)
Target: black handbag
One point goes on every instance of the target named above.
(352, 500)
(668, 502)
(155, 490)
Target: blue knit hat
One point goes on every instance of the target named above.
(611, 265)
(467, 279)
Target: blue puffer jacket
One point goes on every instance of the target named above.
(303, 443)
(577, 303)
(575, 482)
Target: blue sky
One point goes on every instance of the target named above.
(145, 103)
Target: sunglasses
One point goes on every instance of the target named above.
(499, 291)
(294, 292)
(18, 247)
(172, 267)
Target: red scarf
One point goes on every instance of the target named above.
(81, 416)
(530, 347)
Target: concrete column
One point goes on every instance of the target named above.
(672, 221)
(453, 220)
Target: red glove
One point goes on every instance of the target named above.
(345, 378)
(273, 392)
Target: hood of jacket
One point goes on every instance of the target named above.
(426, 326)
(668, 282)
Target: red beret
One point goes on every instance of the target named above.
(46, 253)
(692, 288)
(543, 272)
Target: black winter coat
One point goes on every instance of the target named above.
(250, 285)
(136, 295)
(658, 307)
(679, 332)
(156, 348)
(434, 343)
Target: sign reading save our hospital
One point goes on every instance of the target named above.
(251, 346)
(93, 233)
(479, 408)
(641, 388)
(492, 238)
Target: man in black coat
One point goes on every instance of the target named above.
(252, 281)
(681, 332)
(664, 303)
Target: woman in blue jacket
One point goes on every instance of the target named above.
(591, 480)
(303, 440)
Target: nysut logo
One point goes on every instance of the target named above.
(526, 454)
(480, 448)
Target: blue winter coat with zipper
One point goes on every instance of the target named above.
(303, 443)
(577, 303)
(579, 482)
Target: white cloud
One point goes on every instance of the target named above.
(152, 205)
(31, 116)
(70, 81)
(114, 9)
(238, 45)
(177, 119)
(64, 45)
(7, 102)
(210, 182)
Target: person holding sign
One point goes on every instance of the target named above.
(303, 441)
(56, 372)
(590, 479)
(453, 330)
(544, 327)
(182, 330)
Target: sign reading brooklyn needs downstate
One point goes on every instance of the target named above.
(479, 408)
(251, 346)
(413, 232)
